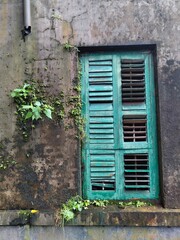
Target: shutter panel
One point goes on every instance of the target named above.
(138, 150)
(100, 128)
(100, 98)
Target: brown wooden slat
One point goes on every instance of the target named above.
(134, 129)
(129, 61)
(136, 181)
(133, 82)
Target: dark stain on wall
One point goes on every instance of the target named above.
(47, 171)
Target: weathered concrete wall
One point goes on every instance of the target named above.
(51, 173)
(89, 233)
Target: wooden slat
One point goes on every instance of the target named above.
(101, 107)
(107, 62)
(107, 131)
(101, 126)
(99, 88)
(102, 169)
(101, 157)
(101, 120)
(100, 74)
(101, 99)
(132, 61)
(101, 136)
(132, 75)
(104, 79)
(102, 164)
(137, 186)
(102, 69)
(101, 113)
(101, 141)
(134, 69)
(102, 175)
(99, 94)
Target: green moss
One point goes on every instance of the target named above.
(75, 103)
(58, 106)
(6, 159)
(67, 46)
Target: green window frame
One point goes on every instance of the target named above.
(120, 151)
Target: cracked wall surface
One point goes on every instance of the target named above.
(51, 173)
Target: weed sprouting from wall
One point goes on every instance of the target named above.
(76, 204)
(32, 106)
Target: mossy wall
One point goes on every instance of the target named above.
(51, 172)
(46, 172)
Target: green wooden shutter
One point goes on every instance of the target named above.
(99, 148)
(120, 151)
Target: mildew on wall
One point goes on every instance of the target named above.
(51, 173)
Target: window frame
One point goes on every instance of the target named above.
(120, 50)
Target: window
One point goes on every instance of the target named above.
(119, 155)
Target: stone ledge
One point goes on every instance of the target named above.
(129, 217)
(110, 216)
(13, 218)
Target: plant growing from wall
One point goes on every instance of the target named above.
(75, 103)
(31, 106)
(26, 215)
(76, 204)
(69, 47)
(134, 203)
(57, 103)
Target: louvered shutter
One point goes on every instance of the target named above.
(120, 151)
(100, 155)
(139, 141)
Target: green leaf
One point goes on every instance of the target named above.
(13, 94)
(67, 214)
(36, 112)
(26, 85)
(48, 112)
(28, 115)
(37, 103)
(27, 106)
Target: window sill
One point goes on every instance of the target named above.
(109, 216)
(113, 216)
